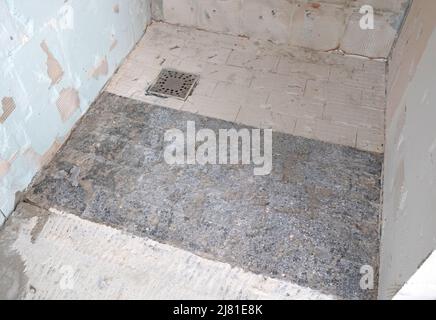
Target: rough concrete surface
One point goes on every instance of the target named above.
(53, 255)
(313, 221)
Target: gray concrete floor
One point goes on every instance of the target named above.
(313, 222)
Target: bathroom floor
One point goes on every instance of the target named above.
(114, 219)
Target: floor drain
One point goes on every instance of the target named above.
(173, 83)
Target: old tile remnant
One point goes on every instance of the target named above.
(8, 106)
(54, 69)
(67, 103)
(313, 221)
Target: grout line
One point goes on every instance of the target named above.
(355, 138)
(324, 106)
(276, 67)
(329, 78)
(295, 126)
(237, 114)
(228, 57)
(268, 97)
(305, 88)
(252, 77)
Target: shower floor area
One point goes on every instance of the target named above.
(316, 95)
(109, 217)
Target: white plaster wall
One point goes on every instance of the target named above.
(318, 25)
(409, 208)
(55, 57)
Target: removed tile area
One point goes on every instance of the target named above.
(313, 221)
(54, 255)
(322, 96)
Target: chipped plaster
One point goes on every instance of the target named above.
(54, 69)
(68, 103)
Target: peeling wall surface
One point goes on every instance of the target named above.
(318, 25)
(409, 216)
(55, 57)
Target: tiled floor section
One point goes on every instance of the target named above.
(313, 221)
(323, 96)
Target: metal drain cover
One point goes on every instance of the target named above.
(173, 83)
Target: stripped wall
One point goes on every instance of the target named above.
(318, 25)
(409, 209)
(55, 57)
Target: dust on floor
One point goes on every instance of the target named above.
(313, 222)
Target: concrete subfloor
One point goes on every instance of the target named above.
(313, 223)
(53, 255)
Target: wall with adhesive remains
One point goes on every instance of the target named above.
(55, 57)
(409, 209)
(318, 25)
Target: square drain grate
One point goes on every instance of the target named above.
(173, 83)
